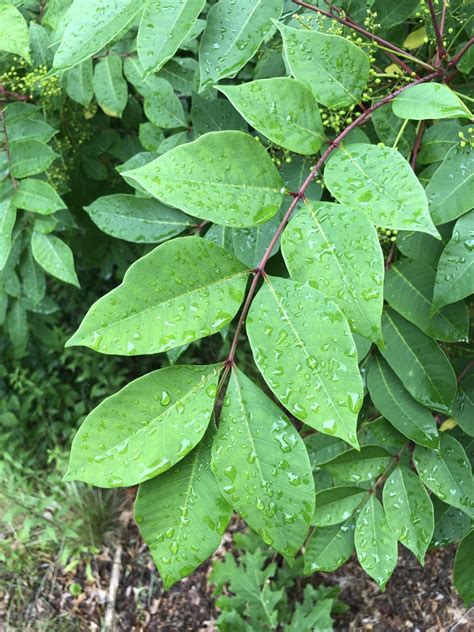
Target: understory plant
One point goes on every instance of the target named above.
(306, 169)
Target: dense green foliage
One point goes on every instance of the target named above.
(310, 187)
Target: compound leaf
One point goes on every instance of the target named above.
(329, 547)
(337, 251)
(395, 403)
(447, 472)
(233, 34)
(463, 576)
(335, 69)
(145, 428)
(409, 289)
(419, 362)
(409, 510)
(54, 256)
(89, 25)
(37, 196)
(451, 189)
(163, 27)
(429, 101)
(317, 381)
(197, 292)
(262, 466)
(379, 182)
(375, 542)
(136, 219)
(282, 109)
(225, 177)
(455, 274)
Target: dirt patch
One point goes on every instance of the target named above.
(416, 599)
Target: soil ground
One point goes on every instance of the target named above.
(416, 599)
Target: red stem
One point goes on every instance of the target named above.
(360, 29)
(417, 145)
(461, 53)
(7, 149)
(260, 269)
(440, 49)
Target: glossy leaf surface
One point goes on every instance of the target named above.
(318, 383)
(337, 251)
(190, 299)
(262, 466)
(226, 177)
(145, 428)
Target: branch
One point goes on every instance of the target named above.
(461, 53)
(417, 145)
(440, 49)
(7, 149)
(375, 38)
(300, 194)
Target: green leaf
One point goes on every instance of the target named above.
(379, 182)
(455, 275)
(337, 504)
(464, 406)
(214, 115)
(37, 196)
(409, 510)
(162, 107)
(334, 68)
(422, 247)
(463, 576)
(182, 515)
(17, 326)
(389, 127)
(163, 27)
(250, 244)
(396, 404)
(89, 25)
(359, 466)
(33, 278)
(329, 547)
(26, 124)
(282, 109)
(391, 13)
(183, 290)
(233, 34)
(313, 614)
(437, 141)
(451, 524)
(110, 87)
(180, 72)
(451, 189)
(150, 136)
(54, 256)
(30, 157)
(429, 101)
(136, 219)
(381, 433)
(447, 472)
(375, 542)
(145, 428)
(78, 83)
(419, 362)
(409, 290)
(262, 466)
(7, 222)
(323, 448)
(315, 380)
(224, 177)
(14, 37)
(337, 251)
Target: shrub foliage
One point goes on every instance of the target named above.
(306, 170)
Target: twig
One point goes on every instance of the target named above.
(360, 29)
(7, 149)
(417, 145)
(113, 588)
(440, 49)
(299, 195)
(452, 62)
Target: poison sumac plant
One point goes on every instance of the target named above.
(302, 136)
